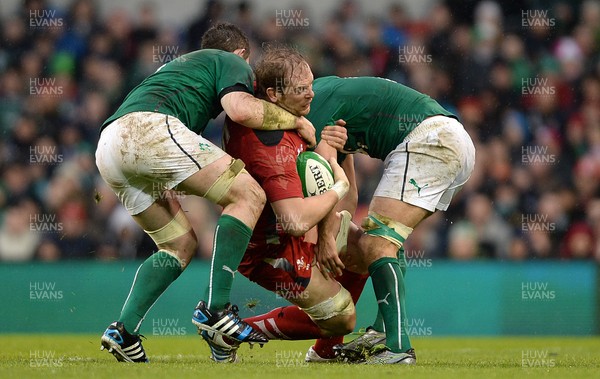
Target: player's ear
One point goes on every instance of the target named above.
(242, 53)
(272, 94)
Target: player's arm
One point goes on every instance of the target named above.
(336, 136)
(254, 113)
(333, 139)
(302, 214)
(350, 201)
(299, 215)
(327, 254)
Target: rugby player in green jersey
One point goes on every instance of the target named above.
(427, 155)
(152, 146)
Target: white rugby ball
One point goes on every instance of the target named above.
(315, 173)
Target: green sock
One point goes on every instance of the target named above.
(388, 283)
(378, 324)
(151, 280)
(231, 240)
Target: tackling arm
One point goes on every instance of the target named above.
(327, 254)
(350, 201)
(254, 113)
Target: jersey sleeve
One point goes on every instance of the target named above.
(234, 74)
(277, 174)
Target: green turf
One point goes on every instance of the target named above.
(78, 356)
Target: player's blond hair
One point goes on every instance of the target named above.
(276, 68)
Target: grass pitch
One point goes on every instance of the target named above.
(78, 356)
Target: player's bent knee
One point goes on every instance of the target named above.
(340, 304)
(337, 326)
(346, 324)
(255, 193)
(176, 238)
(384, 227)
(245, 190)
(184, 248)
(248, 192)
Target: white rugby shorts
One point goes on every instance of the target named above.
(432, 163)
(141, 154)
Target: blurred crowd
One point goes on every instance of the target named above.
(523, 78)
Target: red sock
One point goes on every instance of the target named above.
(354, 283)
(288, 323)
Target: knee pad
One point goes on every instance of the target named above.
(340, 304)
(177, 227)
(386, 228)
(224, 182)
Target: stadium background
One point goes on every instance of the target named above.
(522, 239)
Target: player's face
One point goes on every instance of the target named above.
(298, 94)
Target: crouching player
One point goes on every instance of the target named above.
(279, 258)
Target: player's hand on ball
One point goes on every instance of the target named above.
(335, 135)
(306, 130)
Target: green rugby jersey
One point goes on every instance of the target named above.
(190, 87)
(379, 113)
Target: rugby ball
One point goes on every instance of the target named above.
(315, 173)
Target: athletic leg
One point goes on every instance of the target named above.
(242, 205)
(323, 309)
(385, 270)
